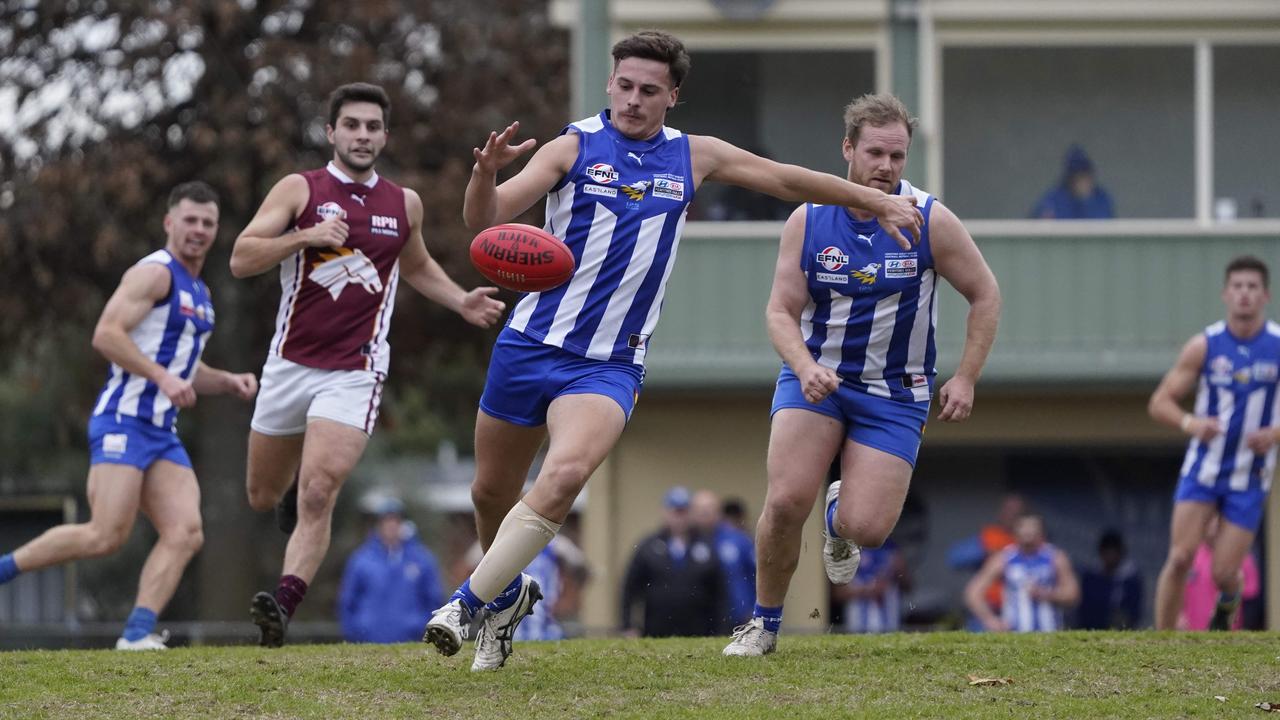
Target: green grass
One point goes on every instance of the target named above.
(1076, 675)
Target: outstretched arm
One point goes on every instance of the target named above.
(787, 300)
(487, 204)
(1164, 406)
(718, 161)
(265, 240)
(140, 288)
(957, 259)
(425, 275)
(212, 381)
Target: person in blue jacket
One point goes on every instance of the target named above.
(391, 581)
(1078, 196)
(736, 550)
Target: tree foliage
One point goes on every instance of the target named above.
(105, 106)
(109, 104)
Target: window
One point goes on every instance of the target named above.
(786, 105)
(1011, 114)
(1246, 148)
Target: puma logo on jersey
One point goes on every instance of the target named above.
(867, 275)
(341, 266)
(636, 190)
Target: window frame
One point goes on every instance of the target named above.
(938, 33)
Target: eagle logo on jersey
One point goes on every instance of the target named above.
(636, 190)
(867, 275)
(341, 266)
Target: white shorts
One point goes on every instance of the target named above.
(291, 394)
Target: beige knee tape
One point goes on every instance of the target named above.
(522, 535)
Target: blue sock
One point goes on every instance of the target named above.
(467, 597)
(831, 518)
(140, 624)
(507, 597)
(1226, 601)
(8, 568)
(772, 617)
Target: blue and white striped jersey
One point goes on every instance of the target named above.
(1237, 386)
(541, 624)
(869, 615)
(1022, 572)
(872, 311)
(173, 334)
(620, 209)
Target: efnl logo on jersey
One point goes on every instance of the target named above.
(342, 266)
(833, 259)
(1220, 370)
(330, 210)
(603, 173)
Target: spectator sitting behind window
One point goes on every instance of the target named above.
(391, 582)
(1078, 196)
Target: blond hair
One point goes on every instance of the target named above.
(876, 110)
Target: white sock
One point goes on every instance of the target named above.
(522, 535)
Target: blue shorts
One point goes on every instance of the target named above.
(124, 440)
(526, 375)
(887, 425)
(1239, 507)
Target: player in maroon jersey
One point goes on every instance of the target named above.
(342, 237)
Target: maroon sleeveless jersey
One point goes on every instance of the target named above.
(336, 303)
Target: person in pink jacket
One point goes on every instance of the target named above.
(1202, 593)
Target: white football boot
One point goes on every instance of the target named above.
(752, 640)
(146, 642)
(450, 626)
(839, 556)
(496, 631)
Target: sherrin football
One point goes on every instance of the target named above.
(522, 257)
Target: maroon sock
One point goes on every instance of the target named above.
(289, 593)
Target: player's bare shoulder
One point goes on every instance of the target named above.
(706, 153)
(562, 151)
(1194, 350)
(147, 279)
(413, 205)
(944, 224)
(288, 196)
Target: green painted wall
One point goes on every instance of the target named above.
(1099, 308)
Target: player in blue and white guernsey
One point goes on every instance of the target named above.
(569, 364)
(873, 599)
(1234, 365)
(1038, 583)
(153, 330)
(852, 315)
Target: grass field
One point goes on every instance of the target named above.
(1075, 675)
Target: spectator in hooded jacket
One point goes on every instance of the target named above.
(1078, 196)
(391, 582)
